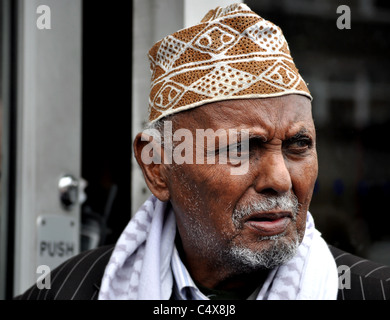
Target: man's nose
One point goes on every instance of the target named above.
(273, 174)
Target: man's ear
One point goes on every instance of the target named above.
(150, 157)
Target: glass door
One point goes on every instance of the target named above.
(47, 103)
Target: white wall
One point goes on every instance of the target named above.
(195, 10)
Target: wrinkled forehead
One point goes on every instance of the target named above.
(277, 112)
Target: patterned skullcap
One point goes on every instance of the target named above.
(231, 54)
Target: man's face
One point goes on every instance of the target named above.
(230, 220)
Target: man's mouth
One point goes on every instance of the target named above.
(268, 223)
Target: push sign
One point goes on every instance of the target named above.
(57, 239)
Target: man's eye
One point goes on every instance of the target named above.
(299, 146)
(235, 148)
(239, 148)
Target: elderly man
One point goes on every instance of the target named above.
(228, 219)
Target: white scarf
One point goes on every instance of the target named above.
(140, 265)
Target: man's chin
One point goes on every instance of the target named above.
(273, 253)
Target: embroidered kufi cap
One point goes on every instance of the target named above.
(232, 53)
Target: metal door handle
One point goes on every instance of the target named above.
(69, 191)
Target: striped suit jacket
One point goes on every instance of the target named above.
(79, 278)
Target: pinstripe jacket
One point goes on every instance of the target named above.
(79, 278)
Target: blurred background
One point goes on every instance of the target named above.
(74, 92)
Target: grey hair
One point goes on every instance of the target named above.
(156, 128)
